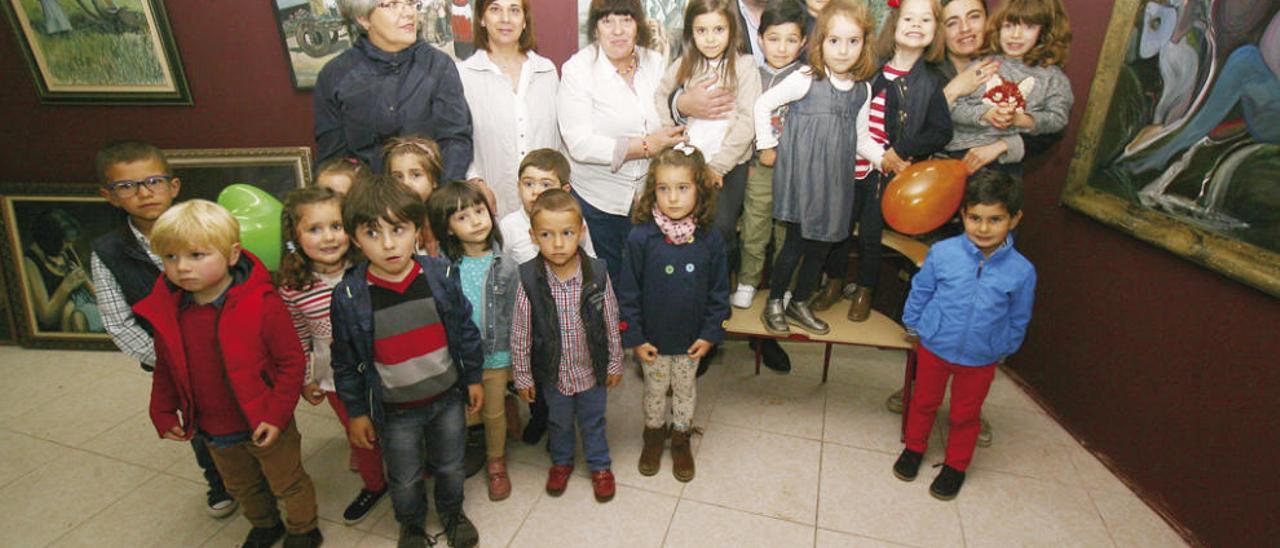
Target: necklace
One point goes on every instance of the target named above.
(631, 67)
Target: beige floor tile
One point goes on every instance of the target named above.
(698, 525)
(498, 522)
(758, 472)
(868, 367)
(20, 454)
(835, 539)
(46, 503)
(633, 518)
(1132, 523)
(1092, 474)
(1005, 510)
(860, 495)
(135, 440)
(336, 535)
(88, 410)
(1004, 391)
(782, 405)
(625, 432)
(165, 511)
(1026, 443)
(374, 541)
(856, 416)
(336, 485)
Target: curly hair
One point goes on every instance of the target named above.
(295, 266)
(1055, 30)
(856, 11)
(704, 211)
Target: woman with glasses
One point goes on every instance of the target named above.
(389, 84)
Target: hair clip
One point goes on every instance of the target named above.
(351, 160)
(895, 3)
(292, 247)
(686, 148)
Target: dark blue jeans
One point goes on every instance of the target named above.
(434, 433)
(588, 408)
(608, 235)
(201, 449)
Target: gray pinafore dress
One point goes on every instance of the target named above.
(813, 179)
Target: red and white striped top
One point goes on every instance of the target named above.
(309, 310)
(876, 118)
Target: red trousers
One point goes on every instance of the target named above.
(368, 461)
(968, 390)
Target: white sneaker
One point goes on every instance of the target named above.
(786, 299)
(743, 296)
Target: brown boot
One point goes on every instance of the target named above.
(499, 482)
(681, 455)
(651, 455)
(828, 296)
(860, 309)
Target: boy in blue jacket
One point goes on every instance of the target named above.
(968, 309)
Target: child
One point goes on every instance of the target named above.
(541, 170)
(460, 212)
(136, 178)
(1029, 92)
(968, 308)
(711, 35)
(339, 174)
(674, 297)
(813, 180)
(406, 358)
(781, 38)
(314, 256)
(415, 163)
(909, 122)
(564, 332)
(228, 365)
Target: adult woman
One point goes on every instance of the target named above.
(60, 289)
(512, 94)
(390, 84)
(608, 120)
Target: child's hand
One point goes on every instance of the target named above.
(892, 163)
(979, 156)
(699, 349)
(360, 432)
(1022, 121)
(911, 337)
(1000, 116)
(312, 393)
(475, 392)
(768, 157)
(265, 435)
(527, 394)
(646, 352)
(716, 179)
(612, 381)
(175, 433)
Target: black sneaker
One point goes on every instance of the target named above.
(774, 357)
(459, 530)
(908, 465)
(947, 485)
(533, 431)
(219, 502)
(413, 536)
(263, 537)
(309, 539)
(359, 508)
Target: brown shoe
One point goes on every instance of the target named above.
(681, 455)
(513, 417)
(651, 455)
(499, 482)
(602, 484)
(828, 296)
(558, 479)
(860, 309)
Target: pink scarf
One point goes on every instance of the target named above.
(677, 232)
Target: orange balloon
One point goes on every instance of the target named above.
(924, 196)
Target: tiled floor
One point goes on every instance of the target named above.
(784, 461)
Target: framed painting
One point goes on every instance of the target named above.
(1180, 144)
(48, 229)
(99, 51)
(312, 32)
(205, 172)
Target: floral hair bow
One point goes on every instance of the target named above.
(686, 148)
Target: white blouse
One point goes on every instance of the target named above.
(597, 108)
(508, 124)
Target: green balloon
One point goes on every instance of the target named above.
(259, 217)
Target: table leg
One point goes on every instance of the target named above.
(826, 362)
(909, 377)
(759, 351)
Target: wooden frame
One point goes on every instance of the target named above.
(205, 172)
(309, 39)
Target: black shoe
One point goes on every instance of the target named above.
(263, 537)
(475, 456)
(534, 430)
(459, 530)
(908, 465)
(413, 536)
(359, 508)
(947, 485)
(309, 539)
(219, 503)
(705, 362)
(773, 355)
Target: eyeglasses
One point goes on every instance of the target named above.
(125, 189)
(396, 5)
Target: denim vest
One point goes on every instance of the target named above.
(499, 301)
(545, 319)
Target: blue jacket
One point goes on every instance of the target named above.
(351, 313)
(969, 309)
(672, 295)
(499, 301)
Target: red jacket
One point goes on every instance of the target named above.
(260, 351)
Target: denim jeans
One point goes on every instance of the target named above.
(608, 235)
(588, 408)
(199, 446)
(434, 433)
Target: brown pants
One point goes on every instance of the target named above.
(257, 476)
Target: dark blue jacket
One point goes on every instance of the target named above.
(351, 314)
(365, 96)
(672, 295)
(917, 118)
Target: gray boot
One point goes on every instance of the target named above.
(798, 312)
(775, 320)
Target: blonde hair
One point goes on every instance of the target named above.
(195, 223)
(856, 11)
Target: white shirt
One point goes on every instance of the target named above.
(793, 88)
(518, 243)
(596, 109)
(507, 123)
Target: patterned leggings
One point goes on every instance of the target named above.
(680, 373)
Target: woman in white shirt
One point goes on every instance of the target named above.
(512, 95)
(608, 121)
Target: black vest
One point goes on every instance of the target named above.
(129, 264)
(545, 319)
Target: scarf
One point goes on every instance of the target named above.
(677, 232)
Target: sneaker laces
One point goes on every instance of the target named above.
(450, 529)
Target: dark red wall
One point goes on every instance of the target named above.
(1166, 369)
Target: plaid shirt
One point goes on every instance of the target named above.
(575, 359)
(117, 315)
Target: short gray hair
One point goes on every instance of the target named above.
(355, 9)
